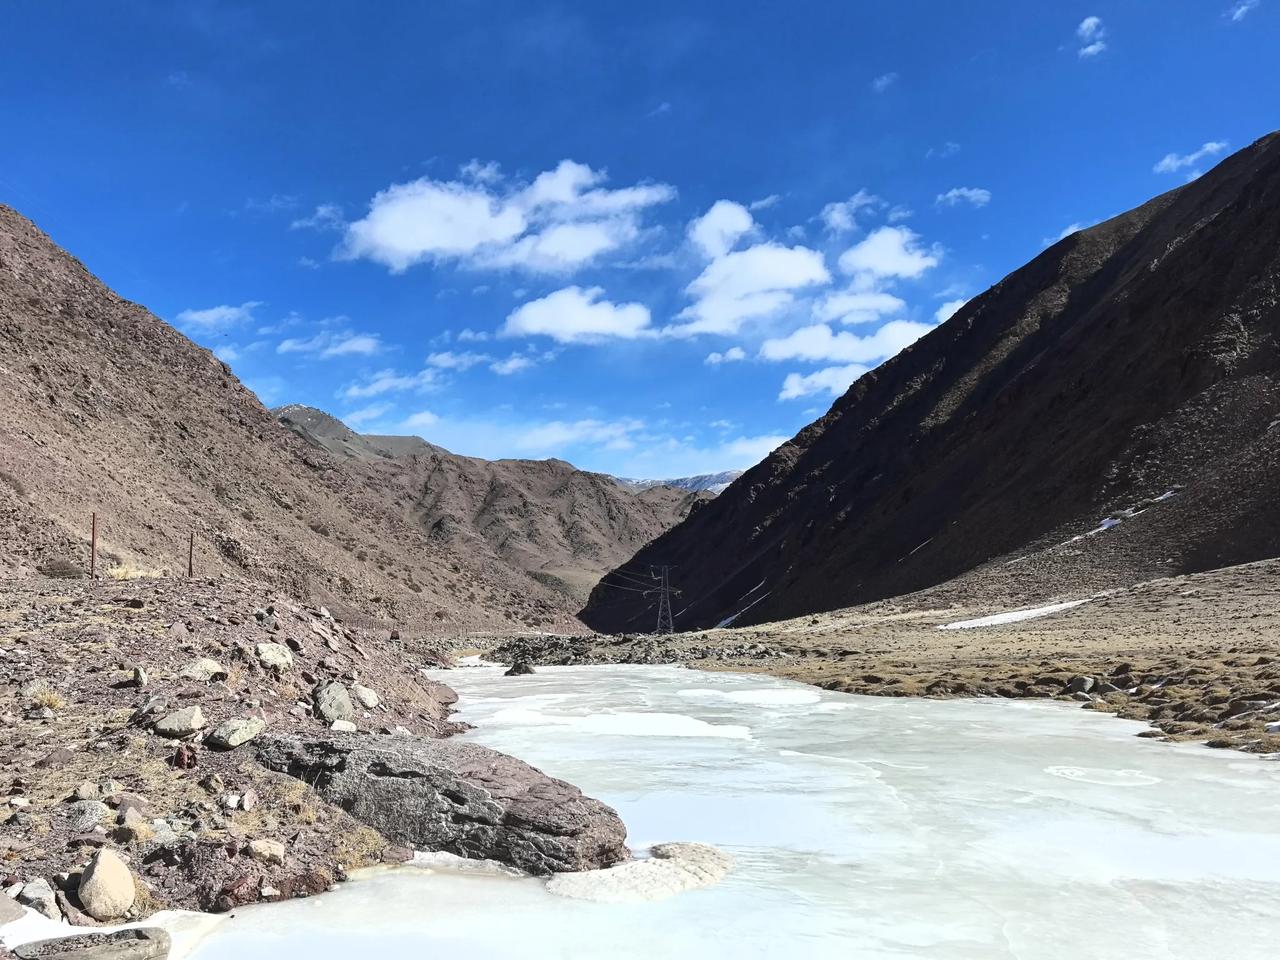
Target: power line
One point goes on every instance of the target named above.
(663, 590)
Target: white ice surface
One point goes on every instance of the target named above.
(861, 829)
(1013, 616)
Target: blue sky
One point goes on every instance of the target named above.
(653, 239)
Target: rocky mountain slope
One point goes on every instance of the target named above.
(563, 526)
(108, 409)
(1107, 413)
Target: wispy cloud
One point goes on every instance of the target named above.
(1239, 11)
(732, 355)
(1173, 162)
(973, 196)
(1092, 36)
(328, 343)
(219, 317)
(883, 82)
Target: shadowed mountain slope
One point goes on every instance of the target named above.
(1108, 412)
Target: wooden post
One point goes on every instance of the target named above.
(93, 549)
(191, 555)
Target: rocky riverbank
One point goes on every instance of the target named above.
(191, 744)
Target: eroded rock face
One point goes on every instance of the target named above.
(458, 797)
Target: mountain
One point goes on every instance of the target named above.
(1106, 413)
(710, 482)
(562, 526)
(109, 410)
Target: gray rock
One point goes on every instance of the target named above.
(232, 733)
(84, 815)
(274, 656)
(142, 943)
(137, 678)
(106, 887)
(181, 723)
(366, 697)
(1079, 685)
(333, 702)
(203, 670)
(519, 669)
(39, 896)
(343, 726)
(458, 797)
(268, 851)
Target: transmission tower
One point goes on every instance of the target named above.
(663, 590)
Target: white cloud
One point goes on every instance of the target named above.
(732, 355)
(883, 82)
(948, 310)
(575, 315)
(1092, 36)
(974, 196)
(832, 380)
(327, 216)
(746, 284)
(1068, 230)
(857, 306)
(328, 344)
(561, 221)
(388, 381)
(419, 421)
(840, 217)
(468, 335)
(480, 171)
(889, 252)
(365, 414)
(764, 203)
(1239, 11)
(948, 149)
(227, 353)
(448, 360)
(1173, 162)
(717, 230)
(220, 317)
(512, 364)
(819, 343)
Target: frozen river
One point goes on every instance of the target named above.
(861, 827)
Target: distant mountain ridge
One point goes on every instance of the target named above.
(562, 526)
(1108, 412)
(709, 482)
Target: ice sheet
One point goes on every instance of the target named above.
(863, 828)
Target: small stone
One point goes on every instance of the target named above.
(204, 670)
(1081, 697)
(106, 887)
(519, 669)
(267, 851)
(84, 815)
(181, 723)
(1080, 685)
(274, 656)
(367, 697)
(249, 800)
(9, 911)
(343, 726)
(137, 678)
(184, 758)
(178, 633)
(332, 702)
(88, 790)
(39, 896)
(232, 733)
(231, 801)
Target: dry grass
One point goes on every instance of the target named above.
(43, 695)
(132, 571)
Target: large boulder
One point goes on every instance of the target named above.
(457, 797)
(106, 887)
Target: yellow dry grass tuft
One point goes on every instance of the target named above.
(132, 571)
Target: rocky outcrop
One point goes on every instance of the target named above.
(456, 797)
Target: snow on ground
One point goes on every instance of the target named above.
(1013, 616)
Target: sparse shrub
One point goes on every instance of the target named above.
(61, 569)
(43, 695)
(132, 571)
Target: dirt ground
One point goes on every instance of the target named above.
(1196, 656)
